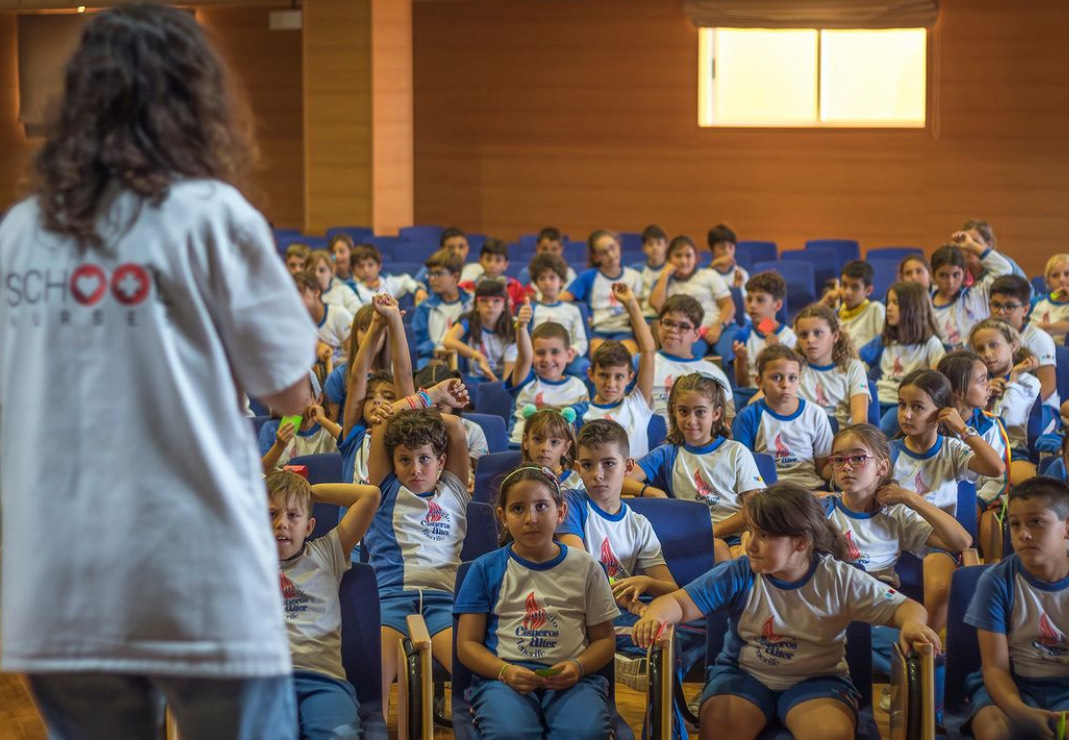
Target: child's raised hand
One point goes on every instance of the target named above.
(317, 413)
(567, 678)
(949, 416)
(739, 280)
(285, 433)
(1027, 365)
(386, 306)
(452, 392)
(771, 339)
(892, 494)
(996, 387)
(623, 292)
(739, 349)
(524, 315)
(965, 241)
(522, 679)
(380, 413)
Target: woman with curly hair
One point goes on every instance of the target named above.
(142, 294)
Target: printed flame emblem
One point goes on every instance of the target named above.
(608, 560)
(289, 590)
(782, 451)
(540, 399)
(434, 512)
(822, 398)
(919, 485)
(852, 550)
(703, 488)
(896, 369)
(952, 334)
(668, 383)
(769, 633)
(1048, 633)
(535, 618)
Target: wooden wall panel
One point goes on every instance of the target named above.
(15, 149)
(337, 114)
(583, 115)
(267, 64)
(391, 93)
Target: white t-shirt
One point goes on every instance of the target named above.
(343, 296)
(315, 439)
(1015, 406)
(136, 535)
(632, 413)
(832, 388)
(568, 316)
(497, 350)
(396, 285)
(706, 287)
(334, 330)
(1042, 346)
(567, 391)
(309, 584)
(607, 315)
(714, 474)
(649, 279)
(472, 272)
(795, 441)
(477, 445)
(875, 540)
(668, 368)
(934, 474)
(755, 343)
(1047, 311)
(955, 319)
(864, 323)
(897, 361)
(623, 542)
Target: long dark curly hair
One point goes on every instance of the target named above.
(146, 101)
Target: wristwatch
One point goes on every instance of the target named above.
(969, 432)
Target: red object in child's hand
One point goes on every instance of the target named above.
(299, 469)
(766, 326)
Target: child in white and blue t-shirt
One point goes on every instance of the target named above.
(608, 318)
(699, 462)
(280, 442)
(795, 432)
(419, 460)
(765, 294)
(1021, 611)
(535, 624)
(539, 377)
(789, 601)
(547, 274)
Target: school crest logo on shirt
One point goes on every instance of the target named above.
(783, 451)
(772, 648)
(668, 381)
(853, 553)
(540, 399)
(953, 337)
(538, 633)
(1051, 641)
(920, 486)
(612, 565)
(436, 523)
(896, 367)
(704, 490)
(294, 599)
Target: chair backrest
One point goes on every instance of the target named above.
(630, 241)
(323, 468)
(885, 274)
(685, 532)
(359, 233)
(740, 305)
(966, 510)
(482, 535)
(1061, 367)
(759, 251)
(361, 638)
(402, 268)
(493, 428)
(656, 431)
(487, 471)
(802, 288)
(874, 404)
(495, 399)
(421, 233)
(962, 648)
(767, 466)
(825, 263)
(896, 253)
(847, 248)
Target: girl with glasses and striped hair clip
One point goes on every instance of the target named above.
(535, 623)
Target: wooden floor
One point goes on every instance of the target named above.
(19, 718)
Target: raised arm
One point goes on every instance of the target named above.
(985, 460)
(947, 533)
(659, 293)
(356, 385)
(362, 500)
(524, 348)
(456, 450)
(643, 338)
(386, 306)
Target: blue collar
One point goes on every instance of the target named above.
(538, 566)
(781, 417)
(927, 454)
(707, 448)
(783, 585)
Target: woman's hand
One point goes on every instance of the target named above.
(567, 678)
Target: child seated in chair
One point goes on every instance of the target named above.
(419, 459)
(535, 624)
(539, 377)
(1021, 613)
(310, 573)
(280, 442)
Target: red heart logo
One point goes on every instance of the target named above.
(88, 284)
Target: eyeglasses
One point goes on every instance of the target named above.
(438, 273)
(1005, 306)
(856, 460)
(674, 327)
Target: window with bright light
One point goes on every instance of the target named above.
(813, 78)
